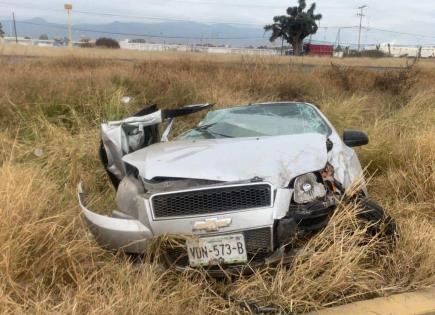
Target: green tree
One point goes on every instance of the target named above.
(2, 33)
(107, 43)
(43, 37)
(295, 26)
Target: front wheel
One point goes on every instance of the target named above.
(382, 223)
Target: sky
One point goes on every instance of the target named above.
(397, 15)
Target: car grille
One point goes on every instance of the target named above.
(213, 200)
(258, 247)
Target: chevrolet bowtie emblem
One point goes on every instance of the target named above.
(211, 225)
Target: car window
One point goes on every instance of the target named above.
(260, 120)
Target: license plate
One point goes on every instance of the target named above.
(222, 249)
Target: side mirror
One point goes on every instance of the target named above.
(355, 138)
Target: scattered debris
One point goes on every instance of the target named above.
(125, 100)
(38, 152)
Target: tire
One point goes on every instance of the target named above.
(383, 224)
(103, 157)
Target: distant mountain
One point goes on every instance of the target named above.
(198, 32)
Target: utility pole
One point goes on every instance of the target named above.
(15, 28)
(68, 8)
(337, 38)
(11, 28)
(282, 45)
(360, 14)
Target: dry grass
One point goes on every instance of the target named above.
(132, 55)
(50, 264)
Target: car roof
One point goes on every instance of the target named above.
(266, 104)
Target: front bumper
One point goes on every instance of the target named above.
(284, 221)
(128, 235)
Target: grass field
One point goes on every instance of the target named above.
(133, 55)
(50, 110)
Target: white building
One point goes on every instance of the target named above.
(18, 40)
(243, 51)
(405, 51)
(43, 42)
(127, 44)
(428, 52)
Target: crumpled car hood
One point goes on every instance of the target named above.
(276, 159)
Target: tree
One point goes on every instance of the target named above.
(43, 37)
(278, 29)
(2, 33)
(295, 26)
(107, 43)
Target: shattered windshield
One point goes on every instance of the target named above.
(259, 120)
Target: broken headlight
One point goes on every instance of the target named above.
(307, 188)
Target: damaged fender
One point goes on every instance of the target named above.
(128, 235)
(133, 133)
(347, 168)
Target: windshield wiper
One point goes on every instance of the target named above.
(205, 129)
(219, 134)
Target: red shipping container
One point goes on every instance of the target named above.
(320, 50)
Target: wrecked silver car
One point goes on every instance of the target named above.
(239, 186)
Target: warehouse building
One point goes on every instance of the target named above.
(405, 51)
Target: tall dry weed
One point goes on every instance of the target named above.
(50, 114)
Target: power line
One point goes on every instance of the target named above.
(185, 37)
(234, 4)
(2, 3)
(231, 4)
(344, 43)
(160, 36)
(262, 6)
(155, 35)
(187, 20)
(399, 33)
(139, 35)
(141, 17)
